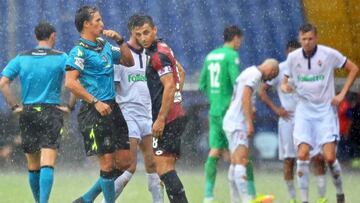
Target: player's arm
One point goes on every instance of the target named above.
(9, 97)
(72, 83)
(203, 79)
(126, 58)
(248, 109)
(182, 74)
(167, 81)
(264, 87)
(352, 70)
(234, 68)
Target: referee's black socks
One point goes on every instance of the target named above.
(174, 187)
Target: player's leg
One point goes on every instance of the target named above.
(154, 183)
(33, 164)
(167, 149)
(303, 171)
(287, 153)
(51, 123)
(335, 169)
(328, 132)
(102, 137)
(31, 147)
(239, 156)
(320, 173)
(48, 159)
(218, 143)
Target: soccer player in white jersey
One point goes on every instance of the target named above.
(132, 94)
(287, 148)
(238, 124)
(316, 122)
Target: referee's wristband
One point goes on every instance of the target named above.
(120, 41)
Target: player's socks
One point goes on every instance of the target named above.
(250, 178)
(46, 182)
(234, 195)
(94, 191)
(107, 185)
(155, 188)
(321, 185)
(303, 179)
(174, 188)
(121, 181)
(241, 182)
(210, 175)
(291, 188)
(335, 170)
(34, 181)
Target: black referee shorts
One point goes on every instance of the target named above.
(40, 127)
(103, 134)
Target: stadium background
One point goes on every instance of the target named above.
(192, 29)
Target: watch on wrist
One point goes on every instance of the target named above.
(14, 107)
(94, 101)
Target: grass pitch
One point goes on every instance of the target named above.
(70, 184)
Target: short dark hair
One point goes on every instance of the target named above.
(293, 44)
(231, 31)
(138, 20)
(85, 13)
(308, 27)
(43, 30)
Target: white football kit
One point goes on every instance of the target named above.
(316, 120)
(234, 122)
(133, 95)
(287, 148)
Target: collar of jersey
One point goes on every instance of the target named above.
(312, 53)
(42, 47)
(88, 42)
(138, 51)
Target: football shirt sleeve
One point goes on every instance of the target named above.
(12, 69)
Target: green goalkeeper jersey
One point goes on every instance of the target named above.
(218, 75)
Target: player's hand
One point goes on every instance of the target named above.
(112, 35)
(337, 99)
(103, 108)
(250, 129)
(281, 112)
(158, 127)
(286, 88)
(64, 109)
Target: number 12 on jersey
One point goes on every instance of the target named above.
(214, 69)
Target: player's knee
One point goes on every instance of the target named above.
(303, 155)
(132, 167)
(150, 166)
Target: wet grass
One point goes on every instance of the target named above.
(70, 184)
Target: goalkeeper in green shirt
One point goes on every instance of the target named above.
(218, 75)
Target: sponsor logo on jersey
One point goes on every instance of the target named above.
(136, 77)
(79, 62)
(310, 78)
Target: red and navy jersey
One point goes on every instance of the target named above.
(162, 62)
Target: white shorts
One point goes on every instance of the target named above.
(287, 147)
(139, 128)
(316, 131)
(237, 138)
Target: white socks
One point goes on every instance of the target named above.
(335, 170)
(241, 183)
(234, 195)
(321, 185)
(155, 187)
(303, 179)
(291, 188)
